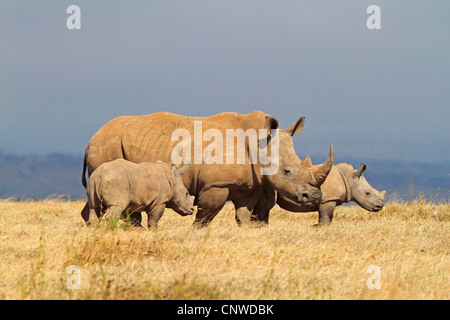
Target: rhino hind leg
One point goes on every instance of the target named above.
(85, 212)
(135, 219)
(210, 202)
(326, 211)
(91, 211)
(114, 212)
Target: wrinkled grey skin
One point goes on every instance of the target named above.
(343, 184)
(120, 186)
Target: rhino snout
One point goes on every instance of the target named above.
(189, 212)
(184, 211)
(380, 203)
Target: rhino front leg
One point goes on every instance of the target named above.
(244, 207)
(326, 213)
(265, 203)
(210, 202)
(155, 214)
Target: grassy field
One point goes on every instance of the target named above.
(289, 259)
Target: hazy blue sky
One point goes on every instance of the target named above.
(381, 94)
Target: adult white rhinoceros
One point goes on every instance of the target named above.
(150, 138)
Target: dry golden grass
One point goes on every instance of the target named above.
(289, 259)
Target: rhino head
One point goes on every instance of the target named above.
(362, 192)
(181, 202)
(293, 179)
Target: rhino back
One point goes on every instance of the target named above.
(147, 138)
(334, 189)
(137, 184)
(150, 182)
(110, 181)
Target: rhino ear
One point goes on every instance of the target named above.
(296, 128)
(182, 170)
(306, 162)
(271, 124)
(358, 173)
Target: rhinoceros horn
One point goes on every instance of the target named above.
(306, 162)
(321, 172)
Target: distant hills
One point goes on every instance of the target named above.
(59, 176)
(31, 176)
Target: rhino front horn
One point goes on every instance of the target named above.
(323, 170)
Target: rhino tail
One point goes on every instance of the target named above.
(83, 174)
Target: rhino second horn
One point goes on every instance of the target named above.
(307, 162)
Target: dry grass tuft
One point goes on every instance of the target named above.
(289, 259)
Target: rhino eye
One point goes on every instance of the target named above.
(287, 171)
(367, 193)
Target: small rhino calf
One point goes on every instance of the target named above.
(121, 186)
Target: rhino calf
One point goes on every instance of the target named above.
(343, 184)
(121, 186)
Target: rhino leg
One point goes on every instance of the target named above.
(209, 203)
(114, 212)
(155, 214)
(85, 212)
(91, 211)
(326, 212)
(265, 203)
(135, 219)
(244, 207)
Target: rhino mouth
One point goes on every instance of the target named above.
(377, 208)
(309, 197)
(303, 198)
(188, 212)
